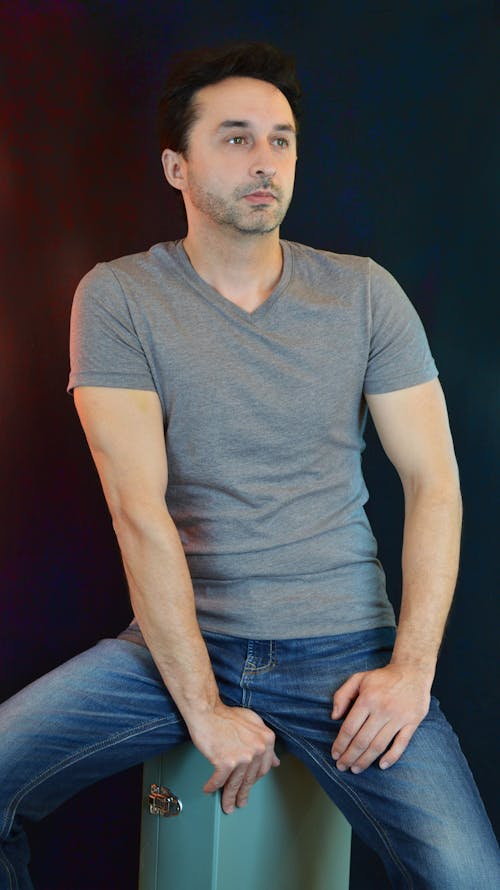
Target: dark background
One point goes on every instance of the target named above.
(396, 162)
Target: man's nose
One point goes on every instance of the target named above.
(267, 170)
(263, 163)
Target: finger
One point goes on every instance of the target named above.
(398, 746)
(351, 726)
(251, 776)
(259, 768)
(362, 740)
(267, 762)
(217, 779)
(345, 695)
(231, 788)
(374, 747)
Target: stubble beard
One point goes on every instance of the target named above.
(234, 213)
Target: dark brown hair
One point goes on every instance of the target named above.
(196, 69)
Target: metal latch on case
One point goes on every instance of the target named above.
(162, 802)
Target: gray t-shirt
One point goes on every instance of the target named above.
(264, 415)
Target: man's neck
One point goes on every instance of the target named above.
(243, 268)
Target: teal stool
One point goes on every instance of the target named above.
(290, 836)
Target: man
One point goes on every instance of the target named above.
(222, 384)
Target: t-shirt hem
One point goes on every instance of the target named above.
(325, 630)
(115, 380)
(403, 382)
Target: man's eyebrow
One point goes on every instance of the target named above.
(229, 124)
(245, 125)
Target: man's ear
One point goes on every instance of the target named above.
(174, 168)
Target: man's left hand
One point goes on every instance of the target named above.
(384, 708)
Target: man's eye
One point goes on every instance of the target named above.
(281, 142)
(237, 140)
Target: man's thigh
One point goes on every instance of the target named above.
(101, 712)
(423, 816)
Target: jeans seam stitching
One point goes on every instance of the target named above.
(261, 669)
(14, 802)
(10, 871)
(352, 794)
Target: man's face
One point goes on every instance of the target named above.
(240, 165)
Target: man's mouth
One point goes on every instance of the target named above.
(260, 197)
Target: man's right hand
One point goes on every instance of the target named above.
(239, 745)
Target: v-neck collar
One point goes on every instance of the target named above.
(214, 297)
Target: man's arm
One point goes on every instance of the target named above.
(124, 429)
(384, 707)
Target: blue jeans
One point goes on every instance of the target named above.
(108, 709)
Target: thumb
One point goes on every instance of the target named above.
(216, 780)
(345, 695)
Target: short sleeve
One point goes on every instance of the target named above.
(399, 353)
(104, 347)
